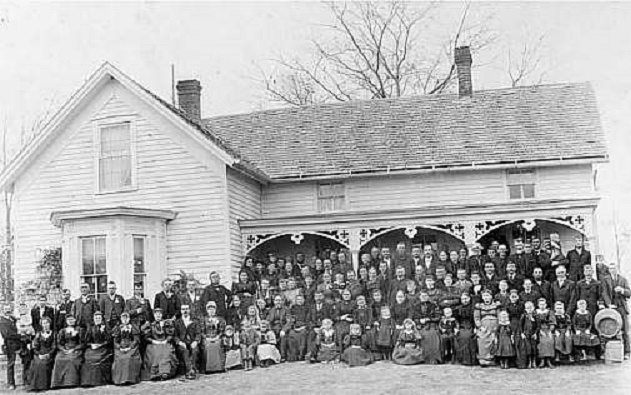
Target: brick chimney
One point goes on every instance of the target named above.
(463, 61)
(189, 98)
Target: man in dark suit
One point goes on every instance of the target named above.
(318, 311)
(40, 311)
(11, 342)
(112, 306)
(191, 298)
(139, 307)
(563, 290)
(167, 300)
(577, 259)
(84, 307)
(514, 279)
(475, 262)
(218, 294)
(401, 259)
(590, 290)
(540, 284)
(429, 260)
(63, 309)
(187, 340)
(616, 295)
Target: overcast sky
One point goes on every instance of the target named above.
(48, 49)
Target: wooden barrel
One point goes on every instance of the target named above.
(608, 322)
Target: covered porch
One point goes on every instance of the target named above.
(444, 227)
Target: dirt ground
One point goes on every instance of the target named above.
(386, 378)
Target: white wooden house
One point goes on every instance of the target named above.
(134, 189)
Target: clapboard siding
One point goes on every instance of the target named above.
(417, 191)
(284, 200)
(244, 196)
(169, 177)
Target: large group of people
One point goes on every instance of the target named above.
(530, 307)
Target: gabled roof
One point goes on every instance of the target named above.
(504, 127)
(95, 82)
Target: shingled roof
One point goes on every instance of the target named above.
(504, 126)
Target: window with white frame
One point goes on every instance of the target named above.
(521, 183)
(94, 264)
(140, 274)
(115, 157)
(331, 197)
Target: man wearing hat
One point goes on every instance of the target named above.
(11, 342)
(187, 339)
(84, 307)
(475, 262)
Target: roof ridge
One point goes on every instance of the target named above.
(390, 99)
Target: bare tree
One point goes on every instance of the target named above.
(524, 66)
(374, 50)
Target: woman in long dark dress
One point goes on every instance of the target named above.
(127, 360)
(466, 344)
(399, 310)
(428, 316)
(97, 366)
(44, 346)
(212, 340)
(344, 312)
(67, 369)
(485, 316)
(160, 362)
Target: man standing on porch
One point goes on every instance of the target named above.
(217, 293)
(375, 257)
(577, 259)
(401, 259)
(429, 260)
(386, 258)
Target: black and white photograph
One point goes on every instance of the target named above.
(319, 197)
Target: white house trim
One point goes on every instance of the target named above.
(58, 217)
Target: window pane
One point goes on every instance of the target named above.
(100, 256)
(115, 140)
(514, 191)
(529, 191)
(338, 203)
(338, 189)
(527, 176)
(324, 190)
(139, 255)
(101, 285)
(87, 256)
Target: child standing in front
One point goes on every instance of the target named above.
(448, 330)
(248, 341)
(505, 340)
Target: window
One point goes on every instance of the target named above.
(94, 264)
(331, 197)
(521, 184)
(140, 274)
(115, 157)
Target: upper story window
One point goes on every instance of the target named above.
(115, 157)
(521, 183)
(331, 197)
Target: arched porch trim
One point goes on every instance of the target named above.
(254, 241)
(410, 231)
(577, 223)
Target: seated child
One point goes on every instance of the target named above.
(232, 348)
(266, 352)
(326, 342)
(584, 340)
(407, 350)
(355, 348)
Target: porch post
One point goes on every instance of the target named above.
(470, 236)
(355, 245)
